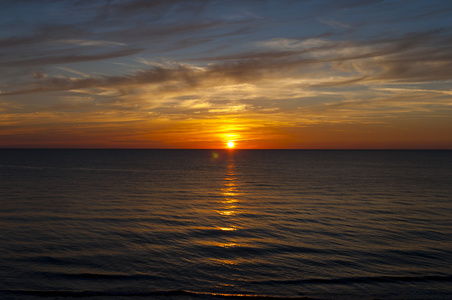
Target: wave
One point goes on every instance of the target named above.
(183, 294)
(68, 168)
(93, 276)
(363, 279)
(172, 294)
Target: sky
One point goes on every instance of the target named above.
(285, 74)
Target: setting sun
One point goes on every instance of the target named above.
(230, 145)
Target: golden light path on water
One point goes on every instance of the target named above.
(229, 192)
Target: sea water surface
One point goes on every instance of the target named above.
(216, 223)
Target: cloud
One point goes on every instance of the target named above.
(336, 24)
(188, 59)
(39, 75)
(70, 58)
(414, 57)
(74, 72)
(153, 75)
(43, 34)
(155, 7)
(88, 42)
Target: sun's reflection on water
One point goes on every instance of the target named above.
(225, 214)
(227, 208)
(230, 193)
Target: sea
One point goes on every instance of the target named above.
(225, 224)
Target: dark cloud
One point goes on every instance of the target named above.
(156, 6)
(160, 33)
(39, 75)
(421, 57)
(71, 58)
(44, 34)
(151, 76)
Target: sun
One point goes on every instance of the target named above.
(230, 145)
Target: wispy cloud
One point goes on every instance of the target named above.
(69, 58)
(74, 72)
(421, 57)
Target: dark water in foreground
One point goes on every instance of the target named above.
(201, 224)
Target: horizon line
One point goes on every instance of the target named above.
(235, 149)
